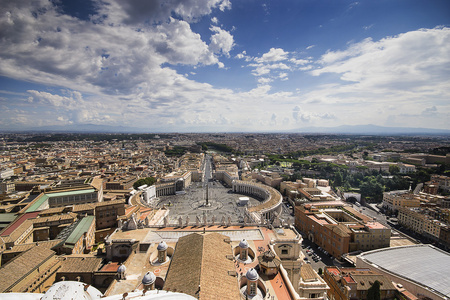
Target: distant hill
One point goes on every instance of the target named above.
(371, 130)
(343, 129)
(84, 128)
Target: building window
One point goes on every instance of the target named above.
(284, 251)
(252, 288)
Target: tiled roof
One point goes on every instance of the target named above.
(25, 247)
(80, 264)
(307, 273)
(365, 280)
(54, 218)
(200, 260)
(12, 227)
(54, 210)
(21, 265)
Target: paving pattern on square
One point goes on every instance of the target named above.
(223, 202)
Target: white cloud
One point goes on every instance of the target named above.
(214, 20)
(276, 59)
(224, 5)
(222, 41)
(119, 69)
(283, 76)
(263, 69)
(274, 54)
(155, 11)
(408, 62)
(299, 61)
(98, 57)
(54, 100)
(264, 80)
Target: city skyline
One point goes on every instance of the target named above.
(221, 65)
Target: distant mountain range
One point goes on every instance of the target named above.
(343, 129)
(371, 130)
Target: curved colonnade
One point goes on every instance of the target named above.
(271, 199)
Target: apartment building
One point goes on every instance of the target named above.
(32, 271)
(120, 183)
(394, 200)
(354, 283)
(340, 229)
(421, 221)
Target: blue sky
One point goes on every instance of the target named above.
(224, 65)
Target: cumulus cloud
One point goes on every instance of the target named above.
(264, 80)
(224, 5)
(155, 11)
(272, 63)
(283, 76)
(406, 73)
(404, 62)
(274, 54)
(98, 56)
(299, 61)
(55, 100)
(119, 67)
(222, 41)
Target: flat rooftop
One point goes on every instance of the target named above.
(423, 264)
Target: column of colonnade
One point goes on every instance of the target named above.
(166, 190)
(251, 189)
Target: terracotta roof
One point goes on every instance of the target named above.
(339, 229)
(83, 207)
(25, 247)
(269, 260)
(307, 273)
(54, 210)
(21, 229)
(200, 260)
(69, 216)
(11, 227)
(365, 280)
(80, 264)
(21, 265)
(97, 183)
(112, 202)
(92, 206)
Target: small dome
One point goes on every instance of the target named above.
(252, 275)
(162, 246)
(243, 244)
(121, 269)
(149, 278)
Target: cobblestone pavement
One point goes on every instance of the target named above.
(232, 232)
(223, 202)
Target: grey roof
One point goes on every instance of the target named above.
(423, 264)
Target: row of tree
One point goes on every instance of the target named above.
(144, 181)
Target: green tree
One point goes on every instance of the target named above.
(373, 293)
(394, 169)
(148, 181)
(338, 179)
